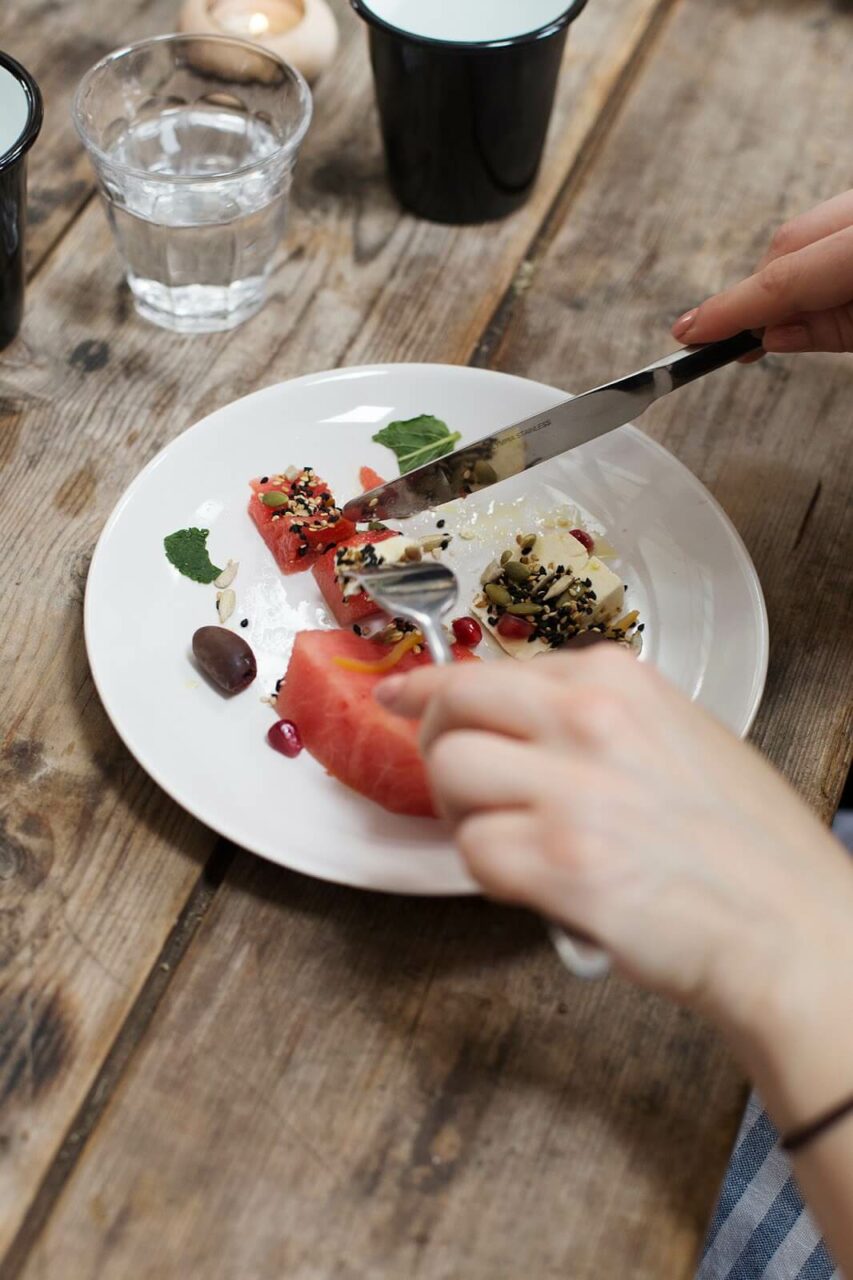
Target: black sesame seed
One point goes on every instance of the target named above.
(245, 622)
(265, 479)
(440, 524)
(356, 628)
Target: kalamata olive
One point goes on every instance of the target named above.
(225, 658)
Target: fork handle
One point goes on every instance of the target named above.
(437, 642)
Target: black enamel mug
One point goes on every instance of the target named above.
(465, 90)
(20, 121)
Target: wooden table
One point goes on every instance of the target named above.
(213, 1067)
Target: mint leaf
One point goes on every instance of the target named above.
(187, 551)
(418, 440)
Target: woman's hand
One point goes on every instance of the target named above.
(801, 293)
(587, 787)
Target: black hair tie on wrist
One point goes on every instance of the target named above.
(799, 1138)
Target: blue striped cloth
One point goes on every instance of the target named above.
(760, 1229)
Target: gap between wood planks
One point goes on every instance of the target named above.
(215, 870)
(487, 351)
(49, 249)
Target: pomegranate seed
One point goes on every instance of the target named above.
(584, 539)
(284, 737)
(468, 632)
(513, 628)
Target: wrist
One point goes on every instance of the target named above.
(794, 1035)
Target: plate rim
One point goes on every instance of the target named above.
(296, 864)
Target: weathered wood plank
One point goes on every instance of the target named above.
(383, 1087)
(361, 1086)
(87, 395)
(58, 40)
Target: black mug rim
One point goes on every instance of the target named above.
(35, 113)
(540, 33)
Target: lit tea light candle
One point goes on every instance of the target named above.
(302, 32)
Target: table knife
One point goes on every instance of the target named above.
(544, 435)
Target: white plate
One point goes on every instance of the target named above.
(686, 567)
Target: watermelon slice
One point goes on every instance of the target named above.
(305, 523)
(357, 606)
(344, 727)
(369, 479)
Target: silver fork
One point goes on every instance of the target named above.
(425, 592)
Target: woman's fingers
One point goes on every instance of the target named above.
(501, 852)
(493, 697)
(816, 278)
(469, 696)
(470, 771)
(824, 220)
(820, 331)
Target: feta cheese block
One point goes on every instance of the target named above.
(556, 550)
(391, 551)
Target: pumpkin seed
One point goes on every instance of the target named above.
(484, 472)
(516, 571)
(506, 556)
(525, 610)
(490, 573)
(498, 594)
(274, 498)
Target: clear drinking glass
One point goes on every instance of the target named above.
(194, 140)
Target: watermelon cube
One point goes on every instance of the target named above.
(300, 521)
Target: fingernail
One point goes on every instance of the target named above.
(684, 324)
(388, 691)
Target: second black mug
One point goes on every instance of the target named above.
(465, 90)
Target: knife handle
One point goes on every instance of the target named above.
(694, 362)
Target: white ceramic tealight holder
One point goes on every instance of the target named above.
(304, 33)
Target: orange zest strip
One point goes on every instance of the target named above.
(401, 648)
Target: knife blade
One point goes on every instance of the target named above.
(544, 435)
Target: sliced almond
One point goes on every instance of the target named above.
(226, 603)
(434, 542)
(558, 587)
(228, 574)
(292, 473)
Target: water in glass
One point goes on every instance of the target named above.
(198, 252)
